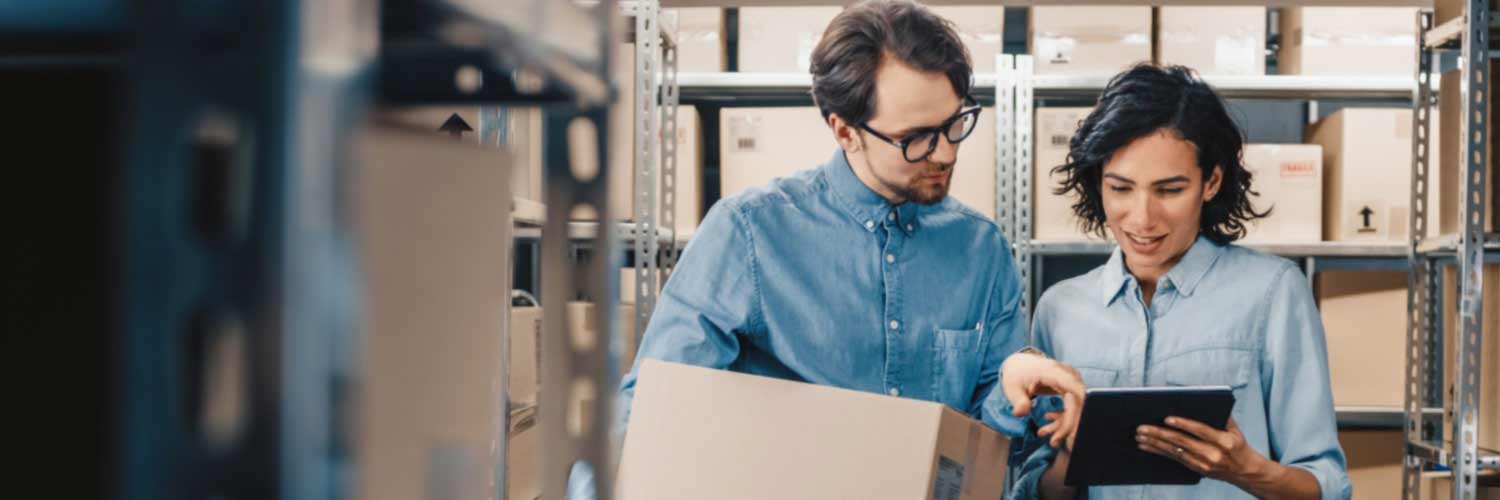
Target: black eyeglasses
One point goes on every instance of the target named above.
(922, 142)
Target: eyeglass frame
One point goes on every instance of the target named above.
(922, 133)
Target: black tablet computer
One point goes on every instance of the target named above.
(1105, 451)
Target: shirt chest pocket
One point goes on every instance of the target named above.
(957, 360)
(1216, 366)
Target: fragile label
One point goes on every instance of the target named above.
(1295, 169)
(950, 480)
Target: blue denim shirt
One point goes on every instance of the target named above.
(816, 278)
(1224, 315)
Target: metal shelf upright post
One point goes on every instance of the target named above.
(1470, 248)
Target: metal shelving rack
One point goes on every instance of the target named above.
(1469, 250)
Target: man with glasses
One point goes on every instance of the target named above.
(861, 273)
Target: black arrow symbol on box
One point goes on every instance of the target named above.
(1366, 213)
(455, 126)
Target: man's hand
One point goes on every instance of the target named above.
(1025, 375)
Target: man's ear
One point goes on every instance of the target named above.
(845, 133)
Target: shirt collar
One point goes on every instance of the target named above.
(1184, 277)
(863, 205)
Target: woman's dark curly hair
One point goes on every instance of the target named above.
(1146, 99)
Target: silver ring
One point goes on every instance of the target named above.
(1179, 451)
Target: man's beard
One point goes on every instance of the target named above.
(921, 191)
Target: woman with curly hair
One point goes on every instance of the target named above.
(1158, 166)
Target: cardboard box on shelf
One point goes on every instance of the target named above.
(525, 354)
(1052, 213)
(523, 457)
(621, 145)
(687, 197)
(1213, 40)
(1367, 173)
(1445, 10)
(1348, 41)
(1099, 41)
(1439, 485)
(1449, 157)
(761, 144)
(1374, 461)
(582, 324)
(781, 39)
(700, 39)
(525, 146)
(1364, 320)
(434, 241)
(796, 440)
(1488, 415)
(1289, 178)
(982, 29)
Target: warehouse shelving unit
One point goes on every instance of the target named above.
(651, 31)
(1469, 249)
(277, 274)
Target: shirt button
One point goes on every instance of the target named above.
(869, 225)
(895, 324)
(908, 227)
(890, 258)
(891, 216)
(895, 392)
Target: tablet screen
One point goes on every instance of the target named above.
(1105, 451)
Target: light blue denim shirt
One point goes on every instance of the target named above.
(1224, 315)
(816, 278)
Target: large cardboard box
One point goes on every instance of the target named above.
(1450, 106)
(698, 433)
(1345, 41)
(781, 39)
(434, 240)
(1374, 460)
(1489, 357)
(1213, 40)
(761, 144)
(1052, 213)
(1364, 320)
(700, 39)
(525, 354)
(1289, 178)
(1096, 41)
(1366, 173)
